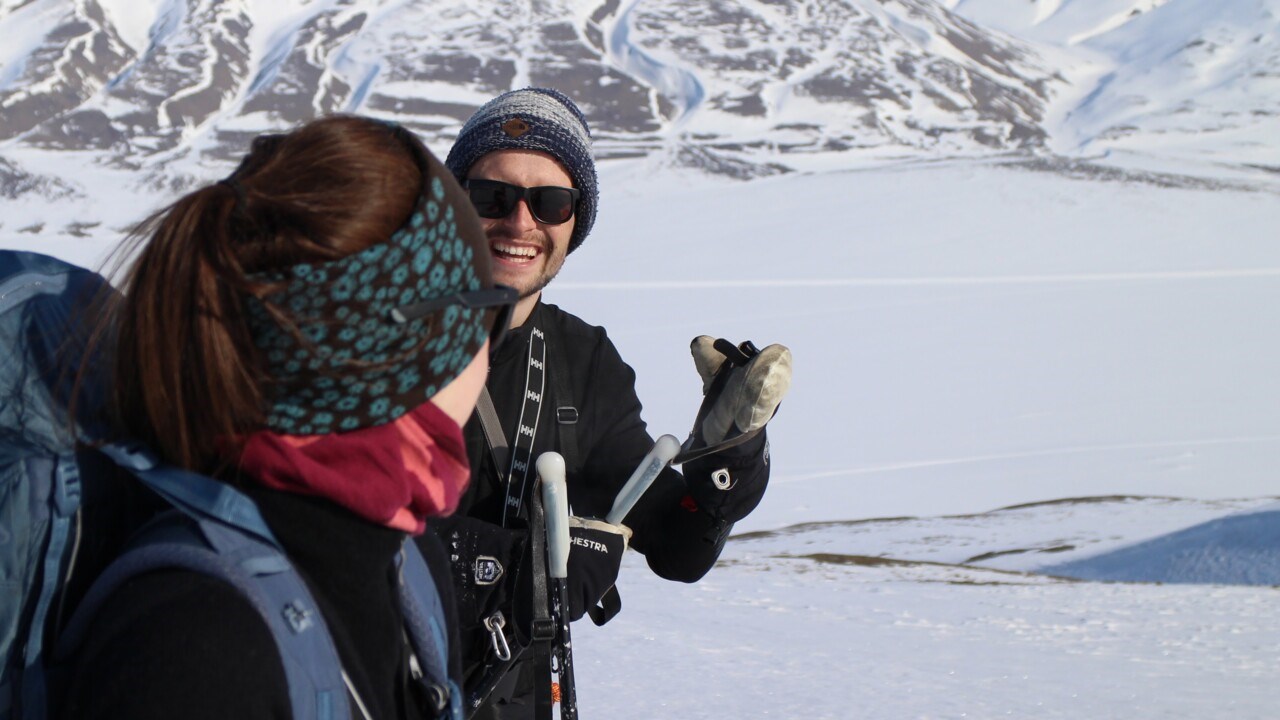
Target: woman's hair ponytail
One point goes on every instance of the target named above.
(188, 378)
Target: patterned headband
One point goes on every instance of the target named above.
(341, 363)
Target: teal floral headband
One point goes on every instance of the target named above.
(342, 362)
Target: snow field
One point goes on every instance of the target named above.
(966, 336)
(772, 638)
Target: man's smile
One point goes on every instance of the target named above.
(515, 253)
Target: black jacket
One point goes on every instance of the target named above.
(679, 540)
(179, 644)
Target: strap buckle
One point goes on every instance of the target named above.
(544, 629)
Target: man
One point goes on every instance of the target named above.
(558, 383)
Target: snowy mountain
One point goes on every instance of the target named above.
(740, 87)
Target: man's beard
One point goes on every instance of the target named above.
(543, 280)
(551, 266)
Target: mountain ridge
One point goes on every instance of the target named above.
(172, 90)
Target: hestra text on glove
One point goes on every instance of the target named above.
(595, 556)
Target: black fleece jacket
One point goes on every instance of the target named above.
(179, 644)
(679, 540)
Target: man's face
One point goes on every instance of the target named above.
(526, 253)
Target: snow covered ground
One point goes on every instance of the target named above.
(968, 336)
(781, 631)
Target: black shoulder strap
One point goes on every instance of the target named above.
(566, 410)
(566, 422)
(499, 452)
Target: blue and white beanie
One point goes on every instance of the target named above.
(534, 119)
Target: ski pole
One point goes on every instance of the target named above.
(645, 473)
(555, 499)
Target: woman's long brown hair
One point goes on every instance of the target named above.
(187, 376)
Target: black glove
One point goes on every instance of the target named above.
(731, 483)
(726, 457)
(595, 556)
(487, 562)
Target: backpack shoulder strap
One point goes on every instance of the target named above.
(567, 425)
(261, 573)
(567, 412)
(496, 439)
(426, 625)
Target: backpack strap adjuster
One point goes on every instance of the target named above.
(543, 630)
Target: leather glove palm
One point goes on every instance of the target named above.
(742, 388)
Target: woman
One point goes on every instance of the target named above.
(313, 331)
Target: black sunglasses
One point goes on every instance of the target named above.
(549, 204)
(499, 296)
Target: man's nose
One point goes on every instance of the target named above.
(521, 217)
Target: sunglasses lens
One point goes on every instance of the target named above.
(495, 200)
(552, 205)
(492, 200)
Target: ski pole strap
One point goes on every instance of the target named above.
(610, 605)
(692, 449)
(543, 629)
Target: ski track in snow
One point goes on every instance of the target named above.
(924, 281)
(997, 457)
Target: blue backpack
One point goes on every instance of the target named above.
(45, 471)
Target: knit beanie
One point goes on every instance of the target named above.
(336, 359)
(534, 119)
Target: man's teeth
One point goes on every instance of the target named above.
(519, 251)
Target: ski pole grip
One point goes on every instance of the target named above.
(666, 448)
(555, 501)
